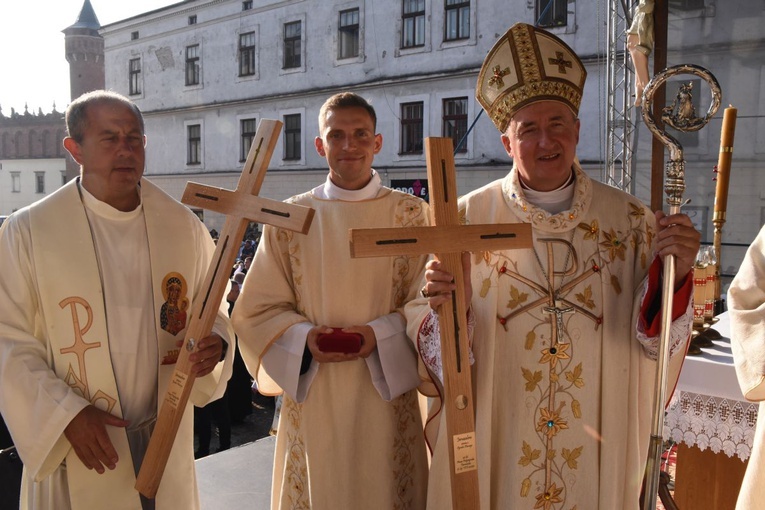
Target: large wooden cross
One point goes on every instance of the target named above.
(447, 239)
(240, 206)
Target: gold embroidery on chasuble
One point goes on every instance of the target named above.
(406, 409)
(552, 303)
(410, 213)
(296, 469)
(79, 380)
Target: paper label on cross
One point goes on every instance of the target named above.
(241, 206)
(447, 239)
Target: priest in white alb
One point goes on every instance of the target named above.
(565, 334)
(97, 283)
(350, 431)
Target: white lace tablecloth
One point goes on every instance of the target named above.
(707, 409)
(719, 424)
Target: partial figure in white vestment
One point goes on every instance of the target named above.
(98, 282)
(565, 334)
(746, 305)
(350, 432)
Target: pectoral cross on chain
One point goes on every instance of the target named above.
(558, 323)
(447, 240)
(240, 206)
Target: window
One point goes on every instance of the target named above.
(457, 25)
(133, 35)
(193, 19)
(454, 121)
(247, 5)
(348, 36)
(248, 128)
(411, 128)
(551, 13)
(292, 44)
(194, 155)
(413, 17)
(192, 65)
(135, 76)
(16, 182)
(247, 54)
(39, 182)
(292, 137)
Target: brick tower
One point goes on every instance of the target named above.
(85, 54)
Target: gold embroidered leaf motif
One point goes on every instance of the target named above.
(485, 287)
(517, 297)
(530, 337)
(576, 408)
(575, 376)
(529, 455)
(551, 454)
(613, 245)
(531, 379)
(591, 230)
(637, 211)
(571, 455)
(585, 297)
(615, 284)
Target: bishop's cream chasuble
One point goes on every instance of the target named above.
(746, 303)
(69, 335)
(344, 446)
(563, 388)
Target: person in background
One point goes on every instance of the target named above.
(84, 355)
(350, 432)
(565, 333)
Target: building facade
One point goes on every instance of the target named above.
(205, 72)
(32, 161)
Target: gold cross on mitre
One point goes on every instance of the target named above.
(561, 62)
(496, 80)
(240, 206)
(447, 239)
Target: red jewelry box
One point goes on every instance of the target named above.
(339, 341)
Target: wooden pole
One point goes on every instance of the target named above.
(241, 207)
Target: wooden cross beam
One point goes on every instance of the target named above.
(447, 239)
(241, 207)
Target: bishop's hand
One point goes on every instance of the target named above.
(440, 284)
(677, 236)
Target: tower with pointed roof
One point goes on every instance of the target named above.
(85, 52)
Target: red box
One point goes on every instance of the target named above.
(339, 341)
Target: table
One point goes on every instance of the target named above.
(713, 425)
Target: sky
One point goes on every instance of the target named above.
(33, 67)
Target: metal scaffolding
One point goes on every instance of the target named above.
(621, 111)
